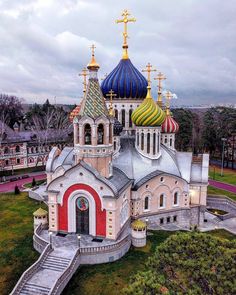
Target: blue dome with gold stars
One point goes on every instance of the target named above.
(126, 81)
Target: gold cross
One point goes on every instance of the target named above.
(149, 70)
(168, 96)
(92, 47)
(159, 77)
(125, 20)
(111, 94)
(84, 73)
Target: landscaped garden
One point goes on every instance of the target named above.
(229, 176)
(17, 253)
(216, 191)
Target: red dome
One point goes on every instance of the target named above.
(170, 125)
(74, 113)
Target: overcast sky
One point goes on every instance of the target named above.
(45, 43)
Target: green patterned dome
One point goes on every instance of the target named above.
(148, 114)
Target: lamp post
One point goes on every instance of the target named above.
(50, 239)
(223, 152)
(146, 220)
(79, 238)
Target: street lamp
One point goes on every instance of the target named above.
(223, 152)
(79, 238)
(146, 220)
(50, 238)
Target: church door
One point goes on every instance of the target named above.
(82, 216)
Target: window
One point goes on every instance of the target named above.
(100, 130)
(116, 114)
(175, 218)
(137, 139)
(17, 149)
(171, 141)
(168, 220)
(154, 143)
(6, 162)
(114, 145)
(176, 199)
(142, 141)
(130, 121)
(165, 140)
(6, 150)
(148, 143)
(162, 179)
(123, 117)
(162, 201)
(146, 203)
(17, 161)
(87, 134)
(161, 220)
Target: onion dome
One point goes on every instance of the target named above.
(40, 212)
(74, 113)
(170, 125)
(126, 81)
(138, 225)
(117, 127)
(148, 114)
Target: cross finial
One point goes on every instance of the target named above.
(92, 47)
(84, 74)
(160, 76)
(125, 20)
(168, 96)
(149, 70)
(111, 94)
(93, 65)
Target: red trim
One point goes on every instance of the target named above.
(100, 214)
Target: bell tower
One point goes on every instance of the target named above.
(93, 126)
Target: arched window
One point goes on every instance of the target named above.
(100, 134)
(116, 114)
(130, 121)
(114, 145)
(162, 201)
(87, 134)
(137, 139)
(17, 149)
(165, 140)
(17, 161)
(36, 149)
(6, 150)
(123, 117)
(171, 141)
(148, 143)
(142, 141)
(146, 203)
(154, 143)
(176, 199)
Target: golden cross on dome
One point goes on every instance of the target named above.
(92, 47)
(84, 74)
(160, 76)
(93, 65)
(168, 96)
(111, 94)
(125, 20)
(149, 70)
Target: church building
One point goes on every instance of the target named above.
(123, 165)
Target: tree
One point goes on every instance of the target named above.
(189, 263)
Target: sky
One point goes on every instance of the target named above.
(45, 44)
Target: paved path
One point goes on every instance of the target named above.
(222, 185)
(10, 186)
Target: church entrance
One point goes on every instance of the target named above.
(82, 216)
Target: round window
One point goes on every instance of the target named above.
(82, 204)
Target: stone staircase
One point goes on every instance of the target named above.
(51, 266)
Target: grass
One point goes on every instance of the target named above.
(229, 176)
(38, 182)
(16, 229)
(217, 211)
(216, 191)
(111, 278)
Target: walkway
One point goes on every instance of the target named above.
(222, 185)
(10, 186)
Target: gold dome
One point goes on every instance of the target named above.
(138, 224)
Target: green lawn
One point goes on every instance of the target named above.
(111, 278)
(16, 229)
(216, 191)
(229, 176)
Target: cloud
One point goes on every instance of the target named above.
(45, 43)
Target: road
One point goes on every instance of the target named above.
(10, 186)
(222, 185)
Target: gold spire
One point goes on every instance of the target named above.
(84, 74)
(93, 65)
(160, 76)
(125, 20)
(168, 96)
(111, 94)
